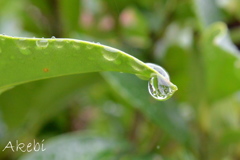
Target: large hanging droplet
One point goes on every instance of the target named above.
(160, 87)
(159, 69)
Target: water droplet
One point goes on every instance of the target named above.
(158, 147)
(22, 44)
(1, 37)
(43, 43)
(137, 65)
(90, 46)
(76, 44)
(160, 87)
(59, 43)
(159, 69)
(53, 37)
(110, 54)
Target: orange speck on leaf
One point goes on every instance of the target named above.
(45, 69)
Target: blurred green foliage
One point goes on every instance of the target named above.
(115, 118)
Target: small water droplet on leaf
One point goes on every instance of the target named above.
(2, 38)
(89, 46)
(22, 44)
(137, 66)
(76, 44)
(110, 54)
(43, 43)
(59, 43)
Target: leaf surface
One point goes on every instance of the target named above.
(29, 59)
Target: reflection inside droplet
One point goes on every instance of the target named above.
(159, 86)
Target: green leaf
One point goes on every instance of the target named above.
(177, 61)
(230, 137)
(33, 101)
(80, 146)
(165, 114)
(221, 62)
(207, 12)
(28, 59)
(69, 14)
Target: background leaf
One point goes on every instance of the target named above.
(164, 114)
(85, 146)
